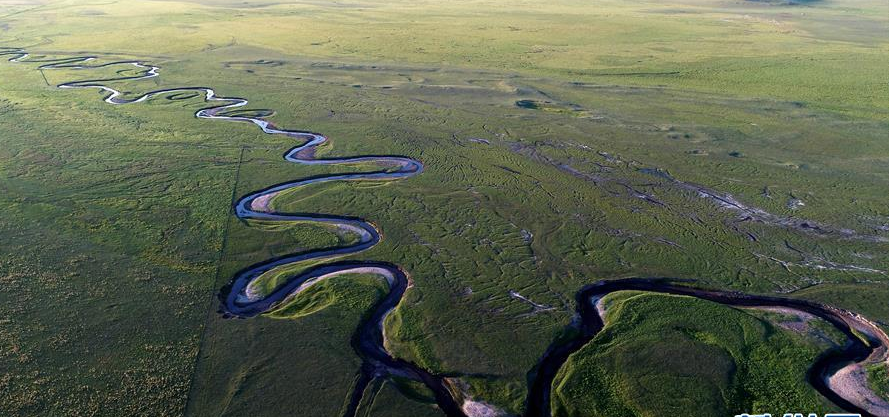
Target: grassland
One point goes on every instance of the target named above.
(117, 232)
(663, 355)
(879, 377)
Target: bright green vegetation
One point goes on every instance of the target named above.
(667, 355)
(357, 291)
(878, 376)
(116, 233)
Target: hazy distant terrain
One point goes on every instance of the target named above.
(742, 144)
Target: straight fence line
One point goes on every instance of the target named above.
(212, 292)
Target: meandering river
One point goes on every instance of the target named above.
(867, 342)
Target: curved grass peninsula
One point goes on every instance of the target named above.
(867, 343)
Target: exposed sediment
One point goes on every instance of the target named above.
(836, 374)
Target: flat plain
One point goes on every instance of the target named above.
(740, 144)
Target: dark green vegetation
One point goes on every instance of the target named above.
(663, 355)
(879, 377)
(111, 234)
(116, 233)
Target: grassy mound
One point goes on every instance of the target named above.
(667, 355)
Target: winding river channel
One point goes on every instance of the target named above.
(867, 343)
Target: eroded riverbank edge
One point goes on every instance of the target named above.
(867, 342)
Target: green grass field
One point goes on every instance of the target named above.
(662, 355)
(542, 125)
